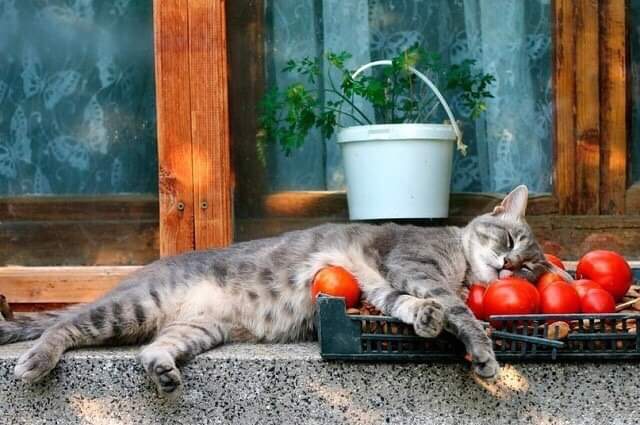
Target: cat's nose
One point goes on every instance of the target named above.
(512, 262)
(508, 265)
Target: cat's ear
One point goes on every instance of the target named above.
(514, 205)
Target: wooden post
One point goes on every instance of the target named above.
(565, 97)
(587, 68)
(173, 105)
(210, 124)
(614, 108)
(193, 136)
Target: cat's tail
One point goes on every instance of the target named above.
(28, 327)
(25, 328)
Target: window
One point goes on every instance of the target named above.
(557, 123)
(507, 147)
(78, 161)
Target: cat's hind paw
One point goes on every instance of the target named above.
(168, 381)
(163, 372)
(429, 320)
(34, 365)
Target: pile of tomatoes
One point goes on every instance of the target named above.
(603, 278)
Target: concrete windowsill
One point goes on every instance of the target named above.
(290, 384)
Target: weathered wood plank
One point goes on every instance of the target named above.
(171, 30)
(82, 230)
(587, 164)
(245, 32)
(334, 204)
(210, 124)
(59, 284)
(79, 208)
(305, 204)
(614, 108)
(564, 80)
(82, 243)
(572, 237)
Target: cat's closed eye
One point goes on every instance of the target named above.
(510, 241)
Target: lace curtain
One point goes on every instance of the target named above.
(77, 106)
(510, 145)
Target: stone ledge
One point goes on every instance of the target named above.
(290, 384)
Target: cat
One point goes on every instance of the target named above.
(260, 291)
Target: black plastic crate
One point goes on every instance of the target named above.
(375, 338)
(591, 336)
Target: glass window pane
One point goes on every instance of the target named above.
(78, 160)
(509, 145)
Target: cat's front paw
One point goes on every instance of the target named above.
(484, 363)
(429, 320)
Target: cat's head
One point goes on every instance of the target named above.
(501, 242)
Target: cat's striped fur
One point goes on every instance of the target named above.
(259, 291)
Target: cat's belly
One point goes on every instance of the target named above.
(287, 317)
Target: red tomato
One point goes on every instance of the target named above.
(559, 298)
(582, 286)
(554, 260)
(598, 301)
(533, 291)
(474, 301)
(607, 268)
(510, 296)
(546, 279)
(534, 295)
(338, 282)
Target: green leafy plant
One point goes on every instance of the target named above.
(397, 96)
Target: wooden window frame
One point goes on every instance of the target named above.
(200, 129)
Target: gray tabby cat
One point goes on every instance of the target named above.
(260, 291)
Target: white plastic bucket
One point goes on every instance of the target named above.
(399, 170)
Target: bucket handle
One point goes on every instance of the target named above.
(461, 146)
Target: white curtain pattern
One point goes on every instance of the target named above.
(77, 97)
